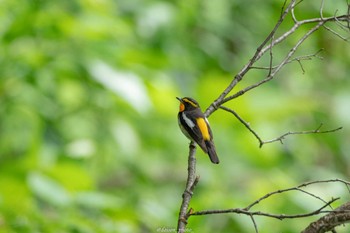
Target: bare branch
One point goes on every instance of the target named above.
(298, 24)
(311, 194)
(192, 181)
(263, 48)
(254, 223)
(293, 14)
(283, 136)
(315, 131)
(298, 59)
(246, 124)
(246, 210)
(297, 188)
(301, 66)
(259, 213)
(335, 33)
(321, 9)
(278, 68)
(247, 67)
(271, 56)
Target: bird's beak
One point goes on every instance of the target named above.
(179, 99)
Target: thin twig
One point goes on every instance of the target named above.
(321, 9)
(298, 59)
(336, 33)
(301, 66)
(246, 210)
(297, 188)
(311, 194)
(259, 213)
(254, 223)
(271, 56)
(246, 124)
(315, 131)
(280, 138)
(293, 15)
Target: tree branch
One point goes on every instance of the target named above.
(328, 222)
(263, 48)
(259, 213)
(315, 131)
(283, 136)
(297, 59)
(332, 216)
(278, 68)
(298, 188)
(248, 66)
(192, 181)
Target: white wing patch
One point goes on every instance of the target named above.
(188, 121)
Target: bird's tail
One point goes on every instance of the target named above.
(212, 152)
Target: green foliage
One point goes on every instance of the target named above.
(89, 140)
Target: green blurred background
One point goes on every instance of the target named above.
(89, 140)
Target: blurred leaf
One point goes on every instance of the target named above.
(96, 200)
(48, 190)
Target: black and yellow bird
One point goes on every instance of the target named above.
(196, 127)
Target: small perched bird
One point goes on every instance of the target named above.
(196, 127)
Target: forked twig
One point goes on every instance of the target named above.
(259, 213)
(297, 59)
(298, 188)
(315, 131)
(251, 214)
(283, 136)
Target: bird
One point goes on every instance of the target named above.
(195, 126)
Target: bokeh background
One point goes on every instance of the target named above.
(89, 140)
